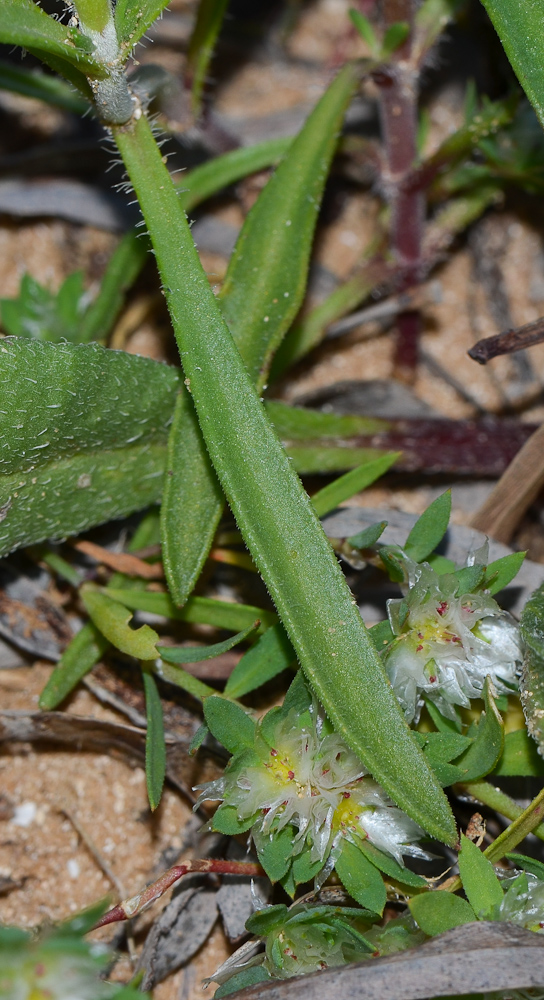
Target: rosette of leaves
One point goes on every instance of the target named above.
(308, 801)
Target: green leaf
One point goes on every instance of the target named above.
(274, 513)
(229, 723)
(368, 537)
(262, 922)
(395, 35)
(23, 23)
(527, 864)
(298, 697)
(225, 820)
(95, 447)
(520, 756)
(112, 620)
(262, 293)
(271, 654)
(486, 748)
(275, 853)
(442, 724)
(183, 679)
(133, 19)
(440, 749)
(531, 687)
(360, 878)
(390, 867)
(481, 885)
(440, 563)
(322, 458)
(469, 579)
(499, 573)
(352, 482)
(199, 183)
(439, 911)
(42, 87)
(247, 977)
(155, 748)
(197, 610)
(296, 423)
(124, 266)
(429, 529)
(198, 739)
(365, 29)
(79, 657)
(519, 27)
(208, 23)
(195, 654)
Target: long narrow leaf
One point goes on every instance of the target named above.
(201, 45)
(23, 23)
(273, 511)
(195, 654)
(261, 295)
(41, 86)
(132, 19)
(201, 182)
(79, 657)
(352, 482)
(155, 749)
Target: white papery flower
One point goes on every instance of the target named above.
(315, 783)
(448, 642)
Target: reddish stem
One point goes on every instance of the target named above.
(398, 112)
(136, 904)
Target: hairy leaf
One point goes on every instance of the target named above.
(429, 529)
(481, 885)
(440, 911)
(360, 878)
(155, 750)
(531, 688)
(112, 620)
(519, 27)
(271, 654)
(23, 23)
(84, 431)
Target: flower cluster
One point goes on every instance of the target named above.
(301, 777)
(309, 937)
(447, 641)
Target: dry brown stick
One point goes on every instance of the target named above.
(519, 485)
(508, 342)
(121, 562)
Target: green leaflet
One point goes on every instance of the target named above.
(531, 688)
(261, 295)
(481, 885)
(94, 447)
(23, 23)
(429, 529)
(112, 620)
(229, 723)
(208, 23)
(360, 878)
(79, 657)
(296, 423)
(202, 181)
(274, 513)
(519, 27)
(352, 482)
(155, 747)
(133, 19)
(499, 573)
(520, 756)
(195, 654)
(124, 266)
(271, 654)
(439, 911)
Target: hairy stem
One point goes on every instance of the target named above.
(398, 111)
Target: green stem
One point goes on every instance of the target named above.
(490, 796)
(274, 512)
(525, 823)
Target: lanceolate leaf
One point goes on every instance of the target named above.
(155, 749)
(440, 911)
(352, 482)
(195, 654)
(200, 50)
(133, 19)
(79, 657)
(261, 295)
(531, 687)
(42, 86)
(271, 654)
(481, 885)
(273, 511)
(23, 23)
(84, 432)
(519, 27)
(429, 529)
